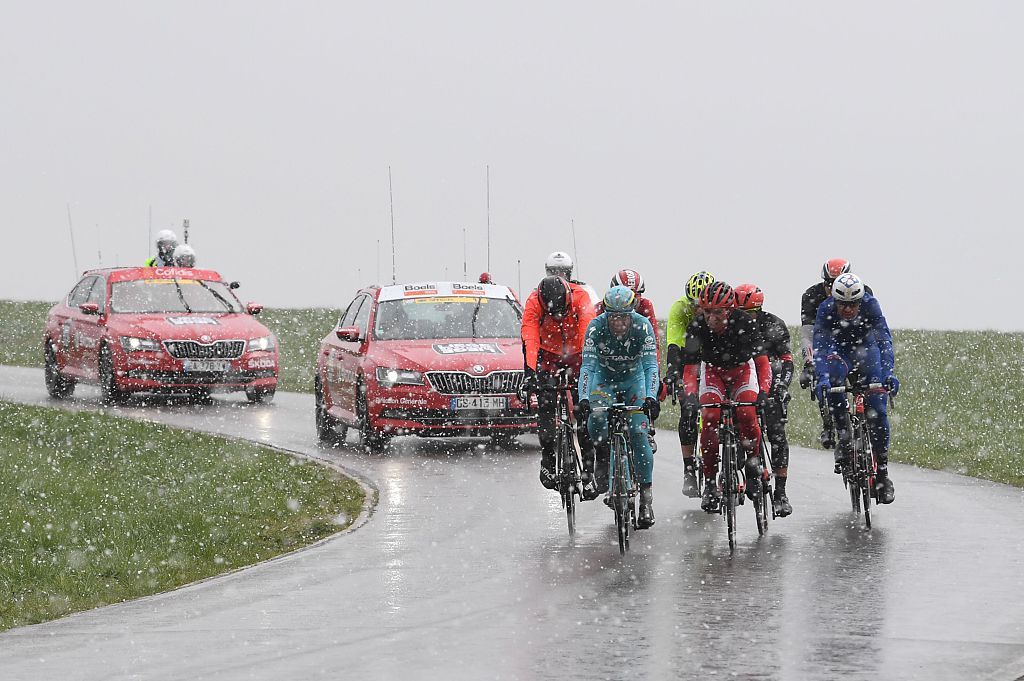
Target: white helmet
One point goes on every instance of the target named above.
(848, 288)
(558, 263)
(166, 241)
(184, 256)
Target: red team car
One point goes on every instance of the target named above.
(157, 329)
(440, 358)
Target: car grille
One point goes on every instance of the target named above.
(199, 377)
(190, 349)
(461, 383)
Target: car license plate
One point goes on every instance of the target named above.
(215, 365)
(486, 402)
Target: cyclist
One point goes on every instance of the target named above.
(620, 361)
(632, 280)
(166, 242)
(776, 344)
(727, 342)
(680, 315)
(560, 264)
(555, 320)
(184, 256)
(852, 340)
(813, 297)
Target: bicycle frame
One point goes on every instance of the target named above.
(623, 487)
(731, 484)
(859, 473)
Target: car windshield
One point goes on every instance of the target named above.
(447, 317)
(172, 295)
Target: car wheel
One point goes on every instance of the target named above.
(260, 395)
(328, 430)
(58, 386)
(109, 391)
(373, 441)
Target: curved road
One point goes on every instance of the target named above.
(465, 571)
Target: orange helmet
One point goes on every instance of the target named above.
(717, 296)
(749, 297)
(833, 268)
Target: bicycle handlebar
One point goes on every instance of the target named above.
(728, 403)
(878, 387)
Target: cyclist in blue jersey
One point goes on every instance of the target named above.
(852, 339)
(620, 363)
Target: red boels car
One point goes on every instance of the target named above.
(440, 358)
(157, 329)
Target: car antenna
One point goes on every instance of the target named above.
(99, 245)
(185, 229)
(575, 253)
(391, 201)
(71, 230)
(488, 218)
(465, 268)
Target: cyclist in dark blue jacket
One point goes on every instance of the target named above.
(852, 339)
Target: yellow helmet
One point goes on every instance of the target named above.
(697, 283)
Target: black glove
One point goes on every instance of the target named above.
(780, 391)
(762, 400)
(807, 375)
(672, 374)
(652, 408)
(529, 380)
(583, 411)
(892, 384)
(690, 403)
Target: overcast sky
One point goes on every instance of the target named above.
(753, 139)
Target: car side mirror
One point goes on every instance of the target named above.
(233, 285)
(348, 333)
(254, 308)
(89, 308)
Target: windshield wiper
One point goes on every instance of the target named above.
(472, 321)
(216, 295)
(181, 296)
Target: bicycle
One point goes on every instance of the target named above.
(859, 470)
(623, 487)
(567, 457)
(733, 488)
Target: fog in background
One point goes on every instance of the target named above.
(752, 139)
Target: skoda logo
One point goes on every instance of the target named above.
(204, 338)
(478, 369)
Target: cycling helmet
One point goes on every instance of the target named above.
(485, 278)
(631, 279)
(559, 264)
(848, 288)
(555, 296)
(833, 268)
(166, 241)
(184, 256)
(619, 299)
(749, 297)
(717, 296)
(697, 283)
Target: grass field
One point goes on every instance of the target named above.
(961, 407)
(97, 510)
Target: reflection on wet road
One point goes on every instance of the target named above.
(465, 571)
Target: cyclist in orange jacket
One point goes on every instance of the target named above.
(555, 321)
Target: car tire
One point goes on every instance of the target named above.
(260, 395)
(328, 430)
(58, 386)
(109, 392)
(372, 441)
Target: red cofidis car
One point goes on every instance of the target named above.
(158, 329)
(441, 359)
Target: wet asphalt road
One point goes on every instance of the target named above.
(465, 571)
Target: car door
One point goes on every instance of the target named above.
(352, 354)
(70, 321)
(91, 328)
(335, 387)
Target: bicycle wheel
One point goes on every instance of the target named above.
(567, 478)
(867, 478)
(761, 506)
(856, 471)
(620, 495)
(729, 488)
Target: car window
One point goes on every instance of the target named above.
(172, 295)
(363, 317)
(98, 294)
(349, 318)
(447, 317)
(80, 293)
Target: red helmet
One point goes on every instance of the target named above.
(717, 296)
(631, 279)
(833, 268)
(749, 297)
(485, 278)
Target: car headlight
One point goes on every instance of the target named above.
(389, 377)
(132, 344)
(264, 343)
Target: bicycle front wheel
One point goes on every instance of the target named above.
(730, 489)
(857, 472)
(867, 479)
(620, 495)
(567, 484)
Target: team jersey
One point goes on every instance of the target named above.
(559, 337)
(836, 336)
(775, 343)
(738, 344)
(607, 358)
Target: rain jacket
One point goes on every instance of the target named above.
(562, 338)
